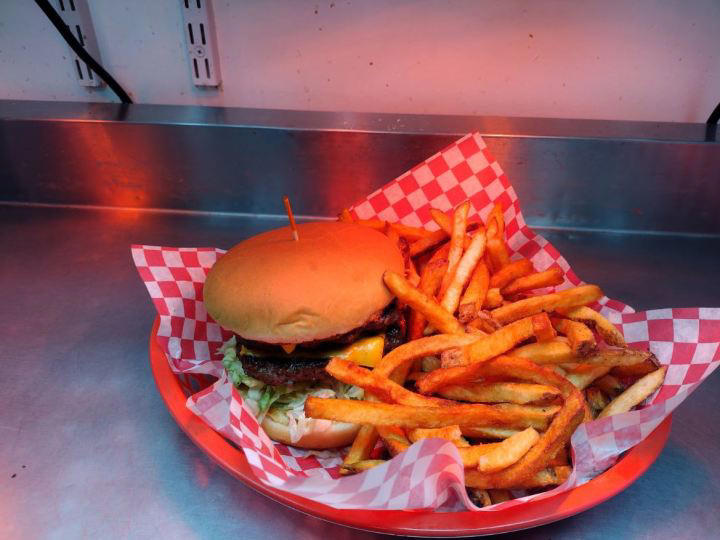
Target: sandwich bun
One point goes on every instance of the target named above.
(337, 434)
(274, 289)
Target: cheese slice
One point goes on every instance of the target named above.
(289, 347)
(366, 351)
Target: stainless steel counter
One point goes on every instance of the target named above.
(88, 450)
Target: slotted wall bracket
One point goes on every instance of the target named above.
(199, 30)
(76, 15)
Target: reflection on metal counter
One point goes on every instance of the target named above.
(588, 174)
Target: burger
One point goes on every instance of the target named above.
(294, 304)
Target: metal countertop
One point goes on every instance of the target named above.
(89, 450)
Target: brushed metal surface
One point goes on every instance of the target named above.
(71, 111)
(576, 174)
(88, 449)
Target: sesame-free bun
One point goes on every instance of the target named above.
(274, 289)
(337, 435)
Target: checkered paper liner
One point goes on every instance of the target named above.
(430, 474)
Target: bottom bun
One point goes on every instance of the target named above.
(337, 435)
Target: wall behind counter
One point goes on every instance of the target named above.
(641, 60)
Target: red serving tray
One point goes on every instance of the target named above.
(633, 464)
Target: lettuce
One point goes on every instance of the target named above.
(284, 403)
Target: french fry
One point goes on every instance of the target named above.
(345, 216)
(552, 476)
(527, 371)
(362, 446)
(636, 370)
(452, 357)
(440, 253)
(487, 368)
(410, 233)
(549, 278)
(511, 272)
(584, 374)
(473, 330)
(497, 253)
(427, 242)
(464, 373)
(556, 351)
(367, 435)
(560, 459)
(589, 416)
(493, 299)
(534, 413)
(543, 329)
(495, 223)
(405, 355)
(412, 275)
(414, 375)
(500, 392)
(474, 295)
(394, 439)
(561, 428)
(438, 258)
(596, 399)
(401, 243)
(449, 433)
(487, 432)
(391, 233)
(456, 244)
(429, 284)
(443, 220)
(359, 466)
(582, 295)
(468, 261)
(364, 442)
(483, 321)
(406, 416)
(446, 224)
(379, 386)
(429, 363)
(498, 342)
(581, 338)
(479, 497)
(635, 394)
(433, 312)
(471, 454)
(467, 313)
(557, 369)
(499, 495)
(610, 384)
(508, 452)
(622, 358)
(610, 334)
(377, 224)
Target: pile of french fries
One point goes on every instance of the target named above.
(504, 374)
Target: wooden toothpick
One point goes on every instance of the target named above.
(291, 217)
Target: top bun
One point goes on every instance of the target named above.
(273, 289)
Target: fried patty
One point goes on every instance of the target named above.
(276, 367)
(275, 371)
(376, 324)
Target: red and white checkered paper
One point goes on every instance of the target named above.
(430, 474)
